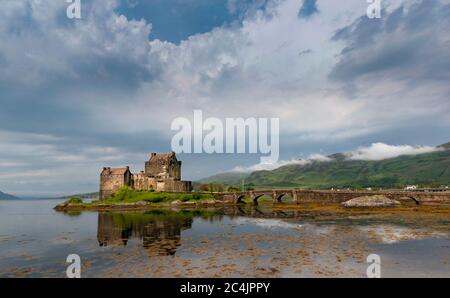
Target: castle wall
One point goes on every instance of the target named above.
(174, 186)
(111, 183)
(162, 173)
(142, 182)
(176, 171)
(164, 166)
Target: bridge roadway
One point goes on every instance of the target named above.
(334, 196)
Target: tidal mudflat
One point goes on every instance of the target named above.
(239, 241)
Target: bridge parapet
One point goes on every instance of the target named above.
(332, 196)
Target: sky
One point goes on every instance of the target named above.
(80, 94)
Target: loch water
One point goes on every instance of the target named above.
(240, 241)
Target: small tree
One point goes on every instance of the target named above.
(211, 187)
(233, 189)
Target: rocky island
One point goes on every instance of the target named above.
(127, 198)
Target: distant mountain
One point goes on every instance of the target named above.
(90, 195)
(5, 196)
(429, 169)
(446, 145)
(229, 178)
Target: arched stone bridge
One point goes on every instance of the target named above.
(333, 196)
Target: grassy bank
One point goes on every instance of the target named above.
(128, 197)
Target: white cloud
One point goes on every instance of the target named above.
(271, 224)
(380, 151)
(281, 163)
(53, 47)
(106, 75)
(35, 164)
(376, 151)
(391, 234)
(256, 70)
(252, 70)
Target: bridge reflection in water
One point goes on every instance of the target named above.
(160, 230)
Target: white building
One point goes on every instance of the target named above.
(411, 187)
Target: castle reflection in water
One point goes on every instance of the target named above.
(160, 236)
(160, 230)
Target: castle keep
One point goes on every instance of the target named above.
(162, 172)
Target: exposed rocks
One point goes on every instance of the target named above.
(61, 206)
(212, 202)
(187, 203)
(371, 201)
(206, 202)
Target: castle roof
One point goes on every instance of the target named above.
(161, 157)
(116, 171)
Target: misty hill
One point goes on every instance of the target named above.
(445, 146)
(229, 178)
(89, 195)
(5, 196)
(429, 169)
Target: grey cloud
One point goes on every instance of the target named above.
(103, 85)
(56, 49)
(305, 52)
(54, 69)
(411, 44)
(48, 164)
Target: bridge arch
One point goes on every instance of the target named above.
(255, 197)
(279, 195)
(238, 198)
(414, 199)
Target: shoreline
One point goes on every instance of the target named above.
(139, 206)
(128, 199)
(313, 207)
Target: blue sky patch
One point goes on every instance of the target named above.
(176, 20)
(308, 8)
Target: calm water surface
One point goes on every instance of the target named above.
(225, 242)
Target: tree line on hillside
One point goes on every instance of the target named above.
(217, 187)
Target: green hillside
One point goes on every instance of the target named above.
(231, 178)
(90, 195)
(428, 170)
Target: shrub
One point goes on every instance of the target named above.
(233, 189)
(211, 187)
(123, 193)
(75, 201)
(155, 199)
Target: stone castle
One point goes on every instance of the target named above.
(162, 172)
